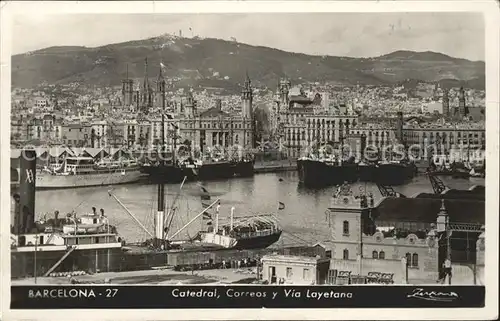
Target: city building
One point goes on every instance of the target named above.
(215, 127)
(441, 137)
(304, 122)
(297, 270)
(76, 134)
(379, 237)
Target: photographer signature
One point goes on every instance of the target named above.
(419, 293)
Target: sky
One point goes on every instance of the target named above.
(459, 35)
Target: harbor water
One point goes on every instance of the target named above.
(303, 218)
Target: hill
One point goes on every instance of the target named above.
(219, 63)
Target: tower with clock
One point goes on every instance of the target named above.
(346, 213)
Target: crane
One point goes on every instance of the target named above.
(437, 184)
(388, 191)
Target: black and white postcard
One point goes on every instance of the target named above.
(249, 160)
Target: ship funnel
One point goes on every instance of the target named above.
(26, 216)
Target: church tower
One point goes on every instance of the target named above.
(189, 107)
(146, 98)
(161, 88)
(247, 99)
(461, 103)
(127, 91)
(285, 86)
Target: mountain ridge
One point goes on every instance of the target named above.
(197, 62)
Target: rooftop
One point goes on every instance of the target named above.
(293, 258)
(213, 112)
(475, 193)
(425, 210)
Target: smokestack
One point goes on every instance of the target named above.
(27, 184)
(218, 104)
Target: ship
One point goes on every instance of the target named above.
(317, 169)
(212, 167)
(216, 242)
(367, 171)
(243, 232)
(171, 172)
(215, 168)
(46, 247)
(394, 172)
(437, 167)
(323, 172)
(243, 167)
(86, 172)
(242, 163)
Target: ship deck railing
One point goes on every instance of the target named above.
(265, 232)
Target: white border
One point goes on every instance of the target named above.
(490, 10)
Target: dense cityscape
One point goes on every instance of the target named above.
(75, 115)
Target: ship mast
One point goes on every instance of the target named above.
(160, 214)
(231, 134)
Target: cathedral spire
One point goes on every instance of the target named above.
(160, 73)
(247, 80)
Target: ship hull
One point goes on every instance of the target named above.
(367, 173)
(213, 171)
(194, 254)
(314, 173)
(393, 174)
(243, 169)
(169, 173)
(50, 181)
(260, 242)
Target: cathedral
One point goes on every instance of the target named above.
(145, 97)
